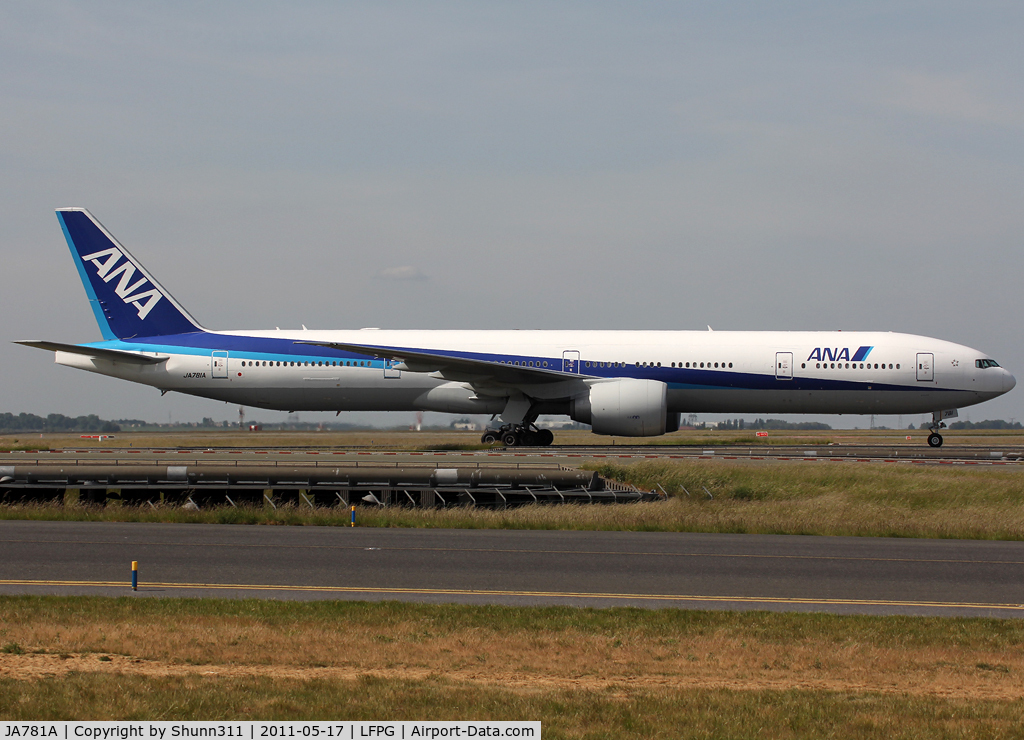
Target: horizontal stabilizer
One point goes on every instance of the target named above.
(112, 355)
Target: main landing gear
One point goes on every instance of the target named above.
(518, 435)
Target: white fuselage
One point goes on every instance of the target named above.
(706, 372)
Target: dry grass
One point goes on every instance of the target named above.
(585, 673)
(621, 713)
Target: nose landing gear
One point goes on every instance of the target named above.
(935, 439)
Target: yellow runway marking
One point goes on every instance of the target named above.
(543, 594)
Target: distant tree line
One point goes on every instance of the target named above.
(775, 424)
(55, 423)
(987, 424)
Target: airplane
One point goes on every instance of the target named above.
(623, 383)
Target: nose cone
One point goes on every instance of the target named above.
(1008, 381)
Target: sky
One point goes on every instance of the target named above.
(780, 166)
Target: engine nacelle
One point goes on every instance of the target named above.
(628, 408)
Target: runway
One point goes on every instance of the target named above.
(845, 575)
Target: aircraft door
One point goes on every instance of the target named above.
(925, 366)
(218, 364)
(571, 361)
(390, 371)
(783, 365)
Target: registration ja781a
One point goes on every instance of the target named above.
(31, 730)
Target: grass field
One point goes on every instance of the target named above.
(619, 673)
(821, 498)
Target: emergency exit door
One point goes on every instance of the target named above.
(219, 364)
(784, 365)
(925, 366)
(571, 361)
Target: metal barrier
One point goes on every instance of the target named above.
(311, 486)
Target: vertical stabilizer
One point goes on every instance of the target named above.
(126, 300)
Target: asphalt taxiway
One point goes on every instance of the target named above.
(593, 569)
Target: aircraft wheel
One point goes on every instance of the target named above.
(489, 438)
(510, 439)
(935, 439)
(545, 437)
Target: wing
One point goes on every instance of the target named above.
(113, 355)
(457, 366)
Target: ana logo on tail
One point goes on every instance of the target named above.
(106, 262)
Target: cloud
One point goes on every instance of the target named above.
(405, 272)
(959, 97)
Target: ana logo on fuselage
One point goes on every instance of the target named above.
(126, 290)
(824, 354)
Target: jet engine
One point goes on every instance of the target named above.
(629, 407)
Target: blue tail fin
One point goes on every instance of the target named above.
(125, 298)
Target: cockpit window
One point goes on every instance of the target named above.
(985, 363)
